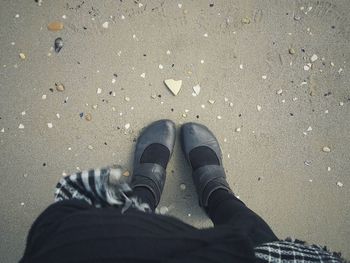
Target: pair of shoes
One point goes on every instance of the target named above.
(154, 148)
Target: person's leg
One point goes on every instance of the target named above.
(224, 208)
(203, 153)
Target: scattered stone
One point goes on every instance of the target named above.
(309, 129)
(202, 61)
(94, 107)
(306, 67)
(241, 66)
(329, 169)
(22, 56)
(197, 89)
(21, 126)
(3, 130)
(184, 115)
(143, 75)
(168, 52)
(258, 107)
(313, 58)
(59, 87)
(90, 147)
(291, 51)
(279, 92)
(264, 77)
(88, 117)
(127, 126)
(340, 184)
(23, 113)
(153, 96)
(99, 91)
(49, 125)
(307, 163)
(179, 5)
(173, 85)
(245, 20)
(219, 117)
(160, 66)
(231, 104)
(182, 187)
(126, 173)
(127, 99)
(205, 35)
(58, 44)
(341, 103)
(238, 129)
(326, 149)
(55, 26)
(58, 115)
(43, 97)
(211, 101)
(105, 25)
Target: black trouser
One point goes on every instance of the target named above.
(225, 209)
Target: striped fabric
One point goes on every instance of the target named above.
(294, 251)
(100, 188)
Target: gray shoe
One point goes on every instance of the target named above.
(207, 178)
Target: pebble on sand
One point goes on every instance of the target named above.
(88, 117)
(22, 56)
(245, 20)
(21, 126)
(313, 58)
(258, 107)
(291, 51)
(326, 149)
(105, 25)
(279, 92)
(55, 26)
(50, 125)
(59, 87)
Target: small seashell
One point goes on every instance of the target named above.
(58, 44)
(313, 58)
(59, 87)
(326, 149)
(291, 51)
(245, 20)
(88, 117)
(55, 26)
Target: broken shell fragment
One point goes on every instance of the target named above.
(58, 44)
(88, 117)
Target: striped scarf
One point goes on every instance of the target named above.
(100, 188)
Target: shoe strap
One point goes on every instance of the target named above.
(151, 176)
(207, 179)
